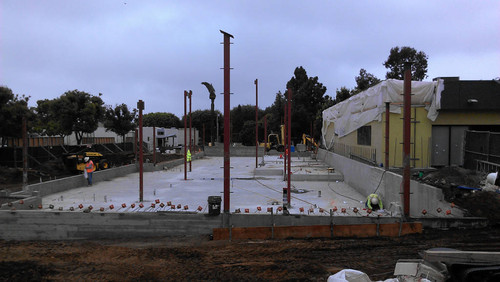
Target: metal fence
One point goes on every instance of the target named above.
(364, 154)
(482, 150)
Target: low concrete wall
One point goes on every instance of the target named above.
(33, 225)
(365, 179)
(65, 225)
(237, 151)
(68, 183)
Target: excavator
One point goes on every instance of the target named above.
(306, 139)
(274, 142)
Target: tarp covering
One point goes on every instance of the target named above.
(367, 106)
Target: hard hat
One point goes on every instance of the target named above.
(374, 201)
(491, 178)
(86, 159)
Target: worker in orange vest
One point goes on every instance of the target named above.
(89, 169)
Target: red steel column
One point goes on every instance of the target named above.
(190, 128)
(154, 144)
(25, 155)
(136, 134)
(140, 106)
(256, 122)
(289, 142)
(285, 124)
(227, 119)
(406, 138)
(185, 137)
(265, 134)
(387, 114)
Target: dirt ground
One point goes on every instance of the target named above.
(199, 259)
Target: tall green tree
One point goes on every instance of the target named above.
(80, 112)
(243, 116)
(275, 113)
(165, 120)
(364, 81)
(342, 94)
(397, 58)
(307, 98)
(47, 120)
(12, 110)
(120, 120)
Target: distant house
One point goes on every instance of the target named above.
(445, 112)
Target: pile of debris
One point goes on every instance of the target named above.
(468, 190)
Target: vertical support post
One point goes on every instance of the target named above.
(203, 142)
(154, 145)
(256, 122)
(190, 129)
(289, 142)
(387, 127)
(227, 119)
(136, 134)
(284, 140)
(406, 138)
(25, 155)
(265, 133)
(140, 106)
(185, 136)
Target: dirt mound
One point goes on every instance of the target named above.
(464, 188)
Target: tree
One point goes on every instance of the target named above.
(80, 112)
(342, 94)
(307, 98)
(275, 113)
(397, 58)
(47, 120)
(165, 120)
(12, 110)
(240, 118)
(120, 120)
(364, 81)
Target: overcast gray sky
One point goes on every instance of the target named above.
(154, 50)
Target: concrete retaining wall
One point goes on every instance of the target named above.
(237, 151)
(365, 179)
(33, 225)
(65, 225)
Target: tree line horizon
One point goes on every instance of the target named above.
(77, 112)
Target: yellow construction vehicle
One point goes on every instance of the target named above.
(274, 142)
(75, 162)
(306, 139)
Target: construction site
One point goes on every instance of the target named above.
(230, 212)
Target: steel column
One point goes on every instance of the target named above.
(154, 145)
(289, 141)
(190, 128)
(285, 124)
(227, 120)
(265, 134)
(140, 106)
(185, 136)
(25, 155)
(256, 122)
(387, 114)
(406, 138)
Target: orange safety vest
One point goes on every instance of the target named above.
(89, 166)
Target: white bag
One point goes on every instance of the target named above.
(85, 174)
